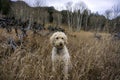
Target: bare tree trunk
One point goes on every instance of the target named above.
(78, 21)
(86, 22)
(59, 20)
(81, 17)
(68, 16)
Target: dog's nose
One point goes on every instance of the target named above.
(61, 44)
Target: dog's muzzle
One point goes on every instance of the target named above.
(60, 45)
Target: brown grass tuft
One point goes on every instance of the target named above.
(92, 59)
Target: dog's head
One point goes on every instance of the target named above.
(58, 39)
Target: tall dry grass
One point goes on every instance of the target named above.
(91, 59)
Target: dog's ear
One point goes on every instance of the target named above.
(52, 39)
(66, 40)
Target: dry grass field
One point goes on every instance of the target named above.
(92, 59)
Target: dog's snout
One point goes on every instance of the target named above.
(61, 44)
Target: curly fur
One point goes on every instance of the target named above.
(60, 52)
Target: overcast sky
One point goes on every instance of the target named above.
(94, 5)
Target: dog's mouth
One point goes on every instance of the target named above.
(60, 46)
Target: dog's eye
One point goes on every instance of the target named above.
(56, 37)
(62, 38)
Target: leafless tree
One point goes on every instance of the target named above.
(40, 13)
(79, 9)
(40, 3)
(88, 12)
(69, 13)
(108, 14)
(58, 17)
(116, 9)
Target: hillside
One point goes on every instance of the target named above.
(39, 14)
(75, 20)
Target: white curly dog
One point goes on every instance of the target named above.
(60, 52)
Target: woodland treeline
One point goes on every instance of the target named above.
(79, 18)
